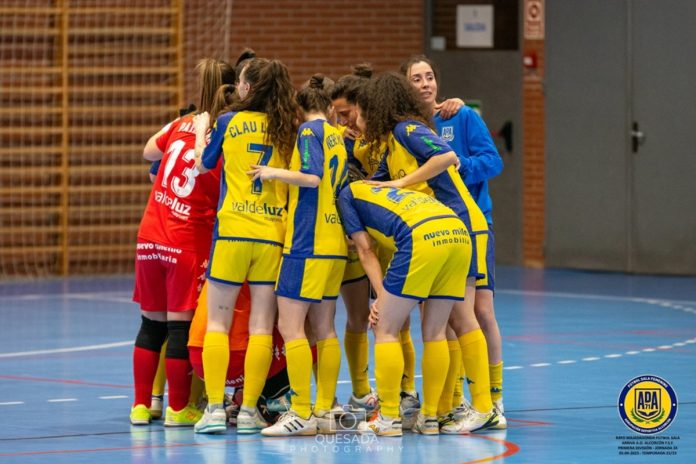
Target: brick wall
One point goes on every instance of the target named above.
(533, 188)
(307, 35)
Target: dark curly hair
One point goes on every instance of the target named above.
(271, 92)
(388, 100)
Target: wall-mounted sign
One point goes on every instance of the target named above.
(534, 19)
(475, 26)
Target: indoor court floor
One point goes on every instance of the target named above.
(572, 340)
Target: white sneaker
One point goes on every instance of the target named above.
(409, 407)
(463, 409)
(380, 426)
(326, 420)
(369, 402)
(290, 424)
(250, 421)
(426, 425)
(214, 420)
(472, 422)
(500, 411)
(156, 406)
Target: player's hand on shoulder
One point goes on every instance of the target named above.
(201, 122)
(449, 107)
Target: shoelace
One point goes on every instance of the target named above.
(287, 415)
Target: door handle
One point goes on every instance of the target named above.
(637, 137)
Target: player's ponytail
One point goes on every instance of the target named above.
(316, 94)
(212, 74)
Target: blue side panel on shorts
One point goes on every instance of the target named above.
(290, 278)
(305, 222)
(398, 270)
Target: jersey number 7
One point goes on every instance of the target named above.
(265, 152)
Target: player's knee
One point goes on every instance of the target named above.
(177, 347)
(151, 335)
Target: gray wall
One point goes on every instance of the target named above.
(494, 78)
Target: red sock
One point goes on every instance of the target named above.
(179, 381)
(144, 370)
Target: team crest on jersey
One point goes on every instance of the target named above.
(447, 133)
(410, 128)
(306, 132)
(647, 404)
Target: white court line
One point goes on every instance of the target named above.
(591, 358)
(114, 297)
(11, 403)
(567, 361)
(540, 365)
(613, 356)
(113, 397)
(590, 296)
(104, 346)
(62, 400)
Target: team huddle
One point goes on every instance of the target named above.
(267, 204)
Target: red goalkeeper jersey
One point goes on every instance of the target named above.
(183, 203)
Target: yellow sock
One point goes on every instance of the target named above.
(256, 364)
(328, 365)
(496, 373)
(435, 364)
(455, 361)
(161, 376)
(216, 357)
(357, 353)
(197, 387)
(299, 359)
(408, 381)
(458, 385)
(389, 367)
(475, 358)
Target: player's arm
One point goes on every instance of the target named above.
(298, 178)
(201, 123)
(369, 260)
(151, 152)
(449, 107)
(155, 146)
(484, 161)
(431, 168)
(154, 168)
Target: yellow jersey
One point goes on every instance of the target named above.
(410, 145)
(314, 227)
(247, 210)
(368, 155)
(388, 214)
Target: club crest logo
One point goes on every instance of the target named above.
(647, 404)
(447, 133)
